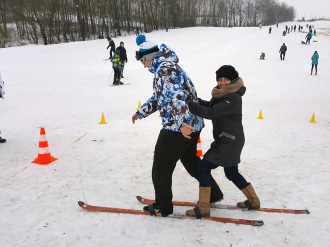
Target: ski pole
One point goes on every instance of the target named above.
(110, 75)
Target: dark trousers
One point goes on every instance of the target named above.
(231, 173)
(282, 55)
(308, 41)
(171, 146)
(116, 72)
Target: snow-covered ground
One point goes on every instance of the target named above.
(65, 88)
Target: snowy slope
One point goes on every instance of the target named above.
(65, 88)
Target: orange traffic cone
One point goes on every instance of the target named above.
(199, 151)
(44, 157)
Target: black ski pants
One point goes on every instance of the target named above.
(282, 55)
(172, 146)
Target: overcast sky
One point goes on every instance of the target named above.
(310, 8)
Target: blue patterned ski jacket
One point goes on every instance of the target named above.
(172, 89)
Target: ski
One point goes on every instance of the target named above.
(230, 207)
(120, 84)
(89, 207)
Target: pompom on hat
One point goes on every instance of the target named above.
(148, 50)
(227, 71)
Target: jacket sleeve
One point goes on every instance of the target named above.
(224, 108)
(203, 102)
(149, 107)
(167, 97)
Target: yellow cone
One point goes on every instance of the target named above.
(139, 106)
(103, 119)
(260, 115)
(313, 118)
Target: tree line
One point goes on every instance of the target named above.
(24, 21)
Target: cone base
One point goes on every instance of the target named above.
(44, 162)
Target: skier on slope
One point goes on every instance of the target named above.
(116, 66)
(308, 38)
(177, 140)
(282, 51)
(112, 45)
(123, 57)
(315, 62)
(2, 95)
(225, 111)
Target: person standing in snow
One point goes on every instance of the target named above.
(282, 51)
(112, 45)
(225, 111)
(123, 57)
(177, 140)
(315, 62)
(270, 29)
(2, 95)
(44, 36)
(308, 37)
(116, 66)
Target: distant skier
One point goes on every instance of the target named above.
(166, 27)
(282, 51)
(315, 61)
(116, 65)
(112, 45)
(262, 56)
(308, 38)
(44, 36)
(137, 32)
(123, 57)
(2, 92)
(270, 29)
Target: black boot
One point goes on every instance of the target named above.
(1, 139)
(119, 82)
(115, 81)
(216, 193)
(153, 209)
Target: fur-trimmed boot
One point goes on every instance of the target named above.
(203, 205)
(252, 201)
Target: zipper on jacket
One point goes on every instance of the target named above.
(227, 135)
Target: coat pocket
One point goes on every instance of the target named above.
(226, 135)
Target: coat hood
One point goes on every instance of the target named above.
(165, 54)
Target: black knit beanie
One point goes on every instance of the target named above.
(227, 71)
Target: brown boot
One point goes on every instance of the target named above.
(252, 201)
(203, 205)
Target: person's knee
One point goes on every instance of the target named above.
(231, 173)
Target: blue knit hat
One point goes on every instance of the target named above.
(148, 50)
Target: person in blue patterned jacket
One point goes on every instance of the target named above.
(177, 140)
